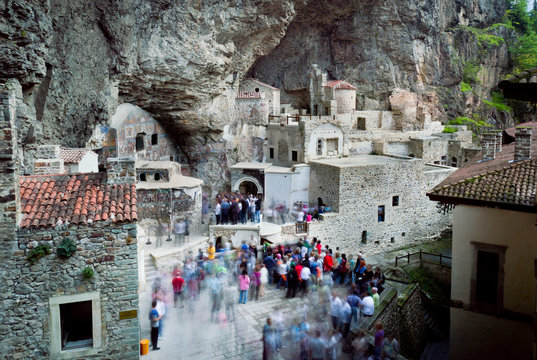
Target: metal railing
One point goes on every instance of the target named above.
(422, 255)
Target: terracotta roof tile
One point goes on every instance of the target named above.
(73, 156)
(514, 184)
(339, 85)
(77, 199)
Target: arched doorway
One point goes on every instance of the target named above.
(248, 184)
(248, 187)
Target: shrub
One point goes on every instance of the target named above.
(66, 248)
(450, 129)
(38, 252)
(465, 87)
(87, 272)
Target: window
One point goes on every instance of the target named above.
(142, 177)
(364, 237)
(403, 234)
(75, 325)
(444, 160)
(157, 176)
(454, 162)
(282, 111)
(140, 141)
(395, 200)
(256, 89)
(392, 240)
(381, 213)
(271, 153)
(319, 146)
(154, 139)
(294, 155)
(361, 123)
(487, 274)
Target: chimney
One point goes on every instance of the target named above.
(522, 143)
(120, 171)
(488, 146)
(499, 140)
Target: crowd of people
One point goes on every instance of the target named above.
(343, 291)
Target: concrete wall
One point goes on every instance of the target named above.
(287, 187)
(89, 163)
(516, 231)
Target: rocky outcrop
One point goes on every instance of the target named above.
(182, 61)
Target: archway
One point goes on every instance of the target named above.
(248, 184)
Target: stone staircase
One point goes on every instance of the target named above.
(151, 272)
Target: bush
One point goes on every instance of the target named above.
(38, 252)
(66, 248)
(465, 87)
(87, 272)
(450, 129)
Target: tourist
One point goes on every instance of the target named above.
(251, 208)
(292, 282)
(269, 263)
(332, 348)
(224, 207)
(328, 263)
(244, 210)
(342, 269)
(218, 213)
(178, 284)
(360, 346)
(215, 288)
(345, 313)
(258, 204)
(269, 343)
(161, 308)
(318, 246)
(234, 211)
(355, 303)
(264, 279)
(316, 347)
(255, 282)
(155, 318)
(244, 284)
(393, 346)
(379, 339)
(282, 273)
(368, 305)
(230, 299)
(379, 280)
(335, 308)
(375, 296)
(305, 275)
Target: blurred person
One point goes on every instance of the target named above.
(244, 285)
(269, 342)
(178, 284)
(230, 299)
(264, 279)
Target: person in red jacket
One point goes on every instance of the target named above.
(178, 283)
(328, 262)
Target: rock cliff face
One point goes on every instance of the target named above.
(182, 61)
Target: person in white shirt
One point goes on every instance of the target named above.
(368, 305)
(335, 308)
(344, 318)
(264, 279)
(217, 213)
(305, 275)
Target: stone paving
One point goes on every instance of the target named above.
(189, 333)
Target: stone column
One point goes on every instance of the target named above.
(499, 139)
(522, 143)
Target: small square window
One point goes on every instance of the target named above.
(154, 139)
(381, 213)
(271, 153)
(294, 155)
(140, 141)
(395, 201)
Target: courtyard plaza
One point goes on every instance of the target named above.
(189, 332)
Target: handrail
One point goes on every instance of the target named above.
(421, 253)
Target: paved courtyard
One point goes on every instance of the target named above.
(189, 333)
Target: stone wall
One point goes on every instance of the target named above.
(49, 166)
(111, 250)
(120, 171)
(355, 193)
(292, 135)
(253, 111)
(346, 100)
(411, 321)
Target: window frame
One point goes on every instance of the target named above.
(55, 325)
(500, 250)
(383, 214)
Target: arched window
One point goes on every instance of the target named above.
(142, 177)
(140, 141)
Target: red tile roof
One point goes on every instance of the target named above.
(511, 131)
(339, 85)
(73, 156)
(77, 199)
(512, 187)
